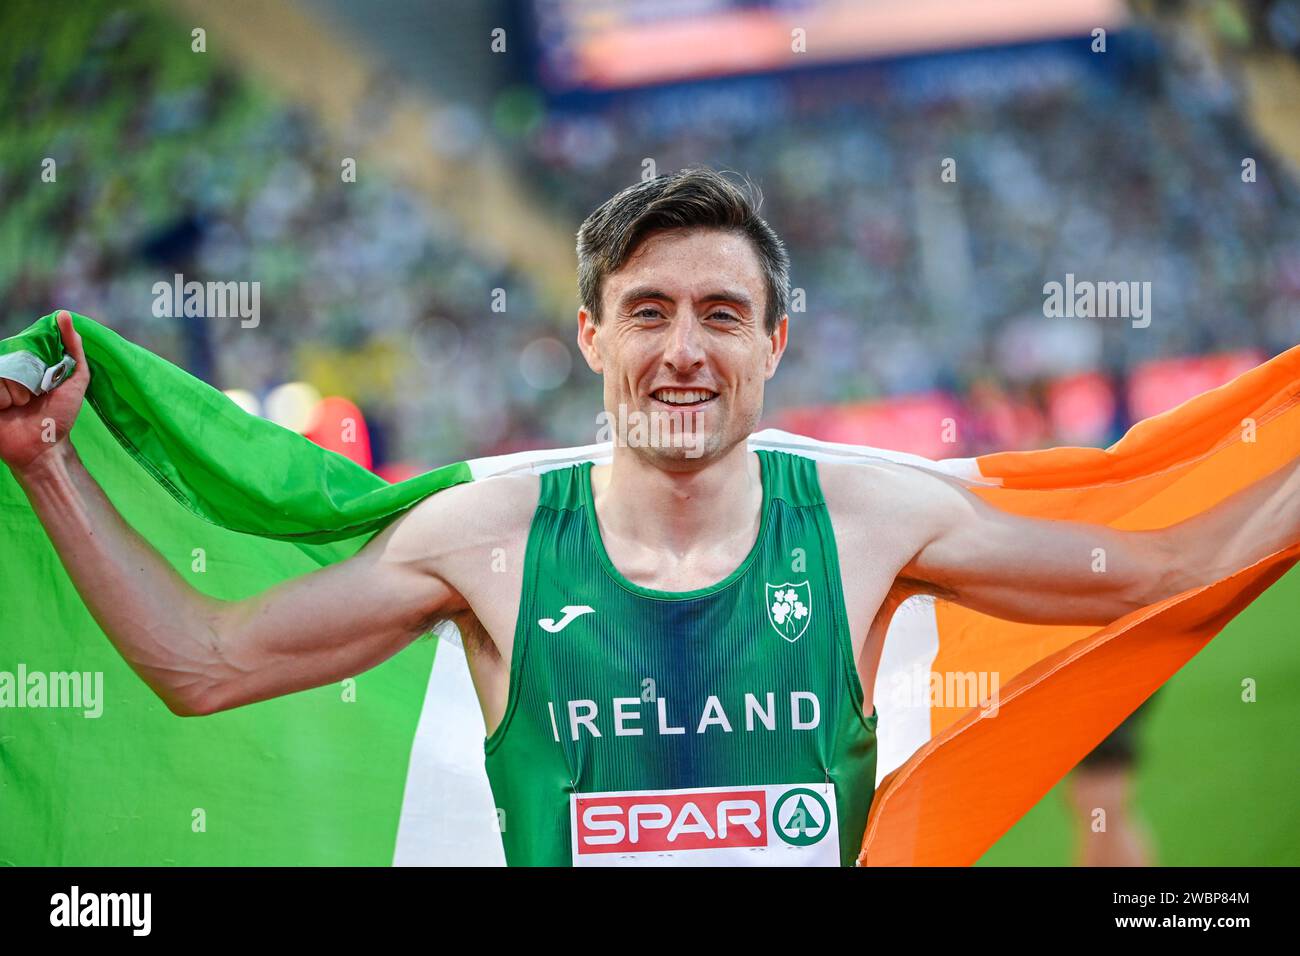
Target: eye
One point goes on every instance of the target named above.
(653, 313)
(726, 316)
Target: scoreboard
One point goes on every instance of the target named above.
(609, 44)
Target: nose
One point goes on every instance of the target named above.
(685, 349)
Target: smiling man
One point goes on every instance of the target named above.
(675, 658)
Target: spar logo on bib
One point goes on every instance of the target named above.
(775, 825)
(801, 817)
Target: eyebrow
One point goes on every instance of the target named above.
(720, 295)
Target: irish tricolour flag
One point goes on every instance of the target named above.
(388, 768)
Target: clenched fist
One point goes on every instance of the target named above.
(32, 425)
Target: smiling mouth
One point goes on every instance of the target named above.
(683, 397)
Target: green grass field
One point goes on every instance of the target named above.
(1217, 777)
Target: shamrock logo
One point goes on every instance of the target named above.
(788, 608)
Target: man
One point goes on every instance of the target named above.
(674, 654)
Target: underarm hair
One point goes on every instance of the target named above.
(472, 633)
(910, 586)
(428, 627)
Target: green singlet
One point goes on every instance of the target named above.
(719, 726)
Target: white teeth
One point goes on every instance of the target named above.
(674, 396)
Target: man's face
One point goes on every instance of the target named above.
(682, 344)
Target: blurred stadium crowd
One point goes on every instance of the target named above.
(1124, 167)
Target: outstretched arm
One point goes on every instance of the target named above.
(1049, 571)
(200, 654)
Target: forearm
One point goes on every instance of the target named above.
(1248, 525)
(163, 627)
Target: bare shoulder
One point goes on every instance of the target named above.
(851, 487)
(869, 495)
(490, 512)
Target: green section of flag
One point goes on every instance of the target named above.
(236, 504)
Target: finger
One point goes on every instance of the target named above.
(71, 338)
(5, 398)
(18, 394)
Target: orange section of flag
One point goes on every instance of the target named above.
(1063, 689)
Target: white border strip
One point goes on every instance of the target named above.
(25, 368)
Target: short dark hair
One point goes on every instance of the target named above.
(696, 197)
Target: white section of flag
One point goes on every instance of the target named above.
(448, 815)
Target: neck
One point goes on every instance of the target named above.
(681, 513)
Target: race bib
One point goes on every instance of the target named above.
(775, 825)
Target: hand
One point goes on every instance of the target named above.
(33, 425)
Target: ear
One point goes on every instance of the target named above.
(587, 331)
(777, 342)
